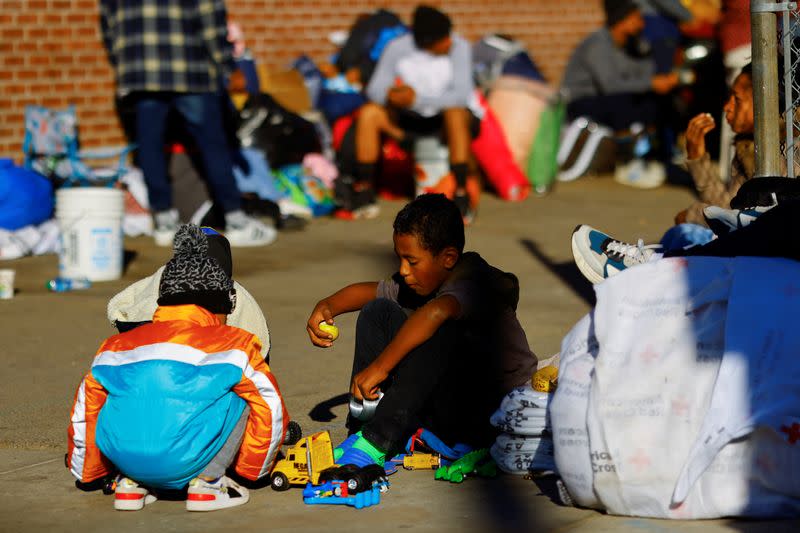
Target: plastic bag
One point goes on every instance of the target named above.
(304, 189)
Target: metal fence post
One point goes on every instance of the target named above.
(763, 20)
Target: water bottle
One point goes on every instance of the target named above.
(68, 284)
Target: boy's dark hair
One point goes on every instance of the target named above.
(748, 69)
(429, 25)
(434, 220)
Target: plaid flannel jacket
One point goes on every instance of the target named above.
(166, 45)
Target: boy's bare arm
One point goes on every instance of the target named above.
(351, 298)
(419, 327)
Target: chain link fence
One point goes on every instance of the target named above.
(789, 33)
(776, 86)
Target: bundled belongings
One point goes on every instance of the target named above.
(678, 395)
(526, 444)
(284, 137)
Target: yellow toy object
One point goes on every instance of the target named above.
(329, 328)
(422, 461)
(304, 462)
(545, 379)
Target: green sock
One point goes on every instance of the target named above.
(376, 454)
(365, 446)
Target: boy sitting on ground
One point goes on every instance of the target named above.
(440, 339)
(174, 402)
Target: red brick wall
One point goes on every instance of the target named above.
(51, 54)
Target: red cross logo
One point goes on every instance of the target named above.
(648, 355)
(680, 406)
(792, 433)
(679, 264)
(680, 511)
(640, 460)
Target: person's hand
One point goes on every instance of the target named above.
(321, 313)
(365, 384)
(664, 83)
(401, 96)
(328, 70)
(680, 218)
(696, 132)
(353, 76)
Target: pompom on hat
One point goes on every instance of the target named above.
(199, 272)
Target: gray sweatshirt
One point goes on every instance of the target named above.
(440, 82)
(598, 66)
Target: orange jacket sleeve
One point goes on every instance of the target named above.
(266, 425)
(84, 458)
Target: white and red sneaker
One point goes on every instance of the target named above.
(130, 496)
(213, 496)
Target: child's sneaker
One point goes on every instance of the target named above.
(130, 496)
(598, 256)
(213, 496)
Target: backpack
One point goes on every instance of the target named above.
(365, 34)
(284, 137)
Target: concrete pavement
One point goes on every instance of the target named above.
(48, 340)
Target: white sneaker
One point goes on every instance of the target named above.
(213, 496)
(129, 496)
(641, 174)
(166, 225)
(598, 256)
(723, 221)
(244, 231)
(288, 207)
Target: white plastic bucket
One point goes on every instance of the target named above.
(90, 220)
(432, 161)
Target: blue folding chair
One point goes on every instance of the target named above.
(51, 148)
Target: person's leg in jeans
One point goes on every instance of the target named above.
(151, 118)
(225, 456)
(773, 234)
(410, 384)
(203, 117)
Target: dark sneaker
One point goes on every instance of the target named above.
(465, 207)
(356, 200)
(598, 256)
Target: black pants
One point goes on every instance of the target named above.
(440, 385)
(773, 234)
(617, 111)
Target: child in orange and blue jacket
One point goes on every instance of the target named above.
(176, 401)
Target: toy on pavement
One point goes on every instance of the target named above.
(422, 461)
(311, 461)
(478, 462)
(336, 493)
(304, 462)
